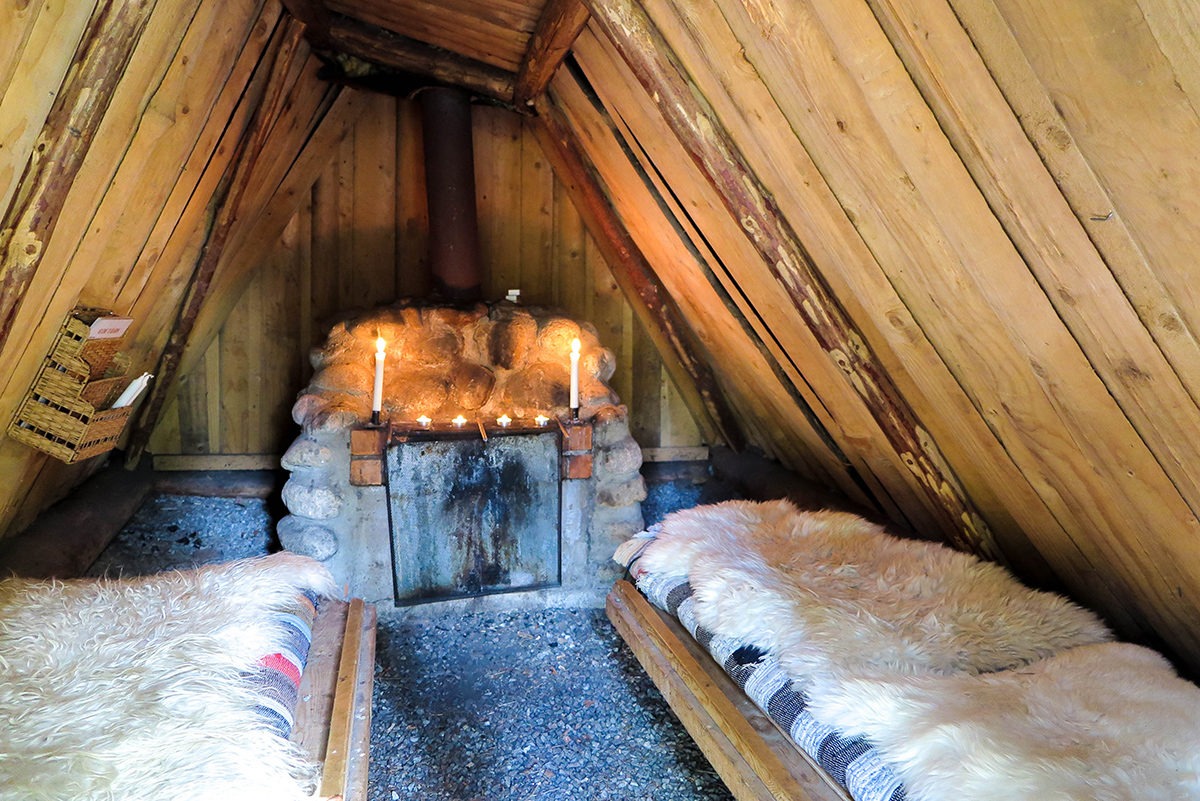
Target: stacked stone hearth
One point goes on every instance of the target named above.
(441, 362)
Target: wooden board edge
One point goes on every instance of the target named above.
(167, 462)
(753, 757)
(319, 680)
(359, 750)
(348, 712)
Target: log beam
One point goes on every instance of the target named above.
(379, 47)
(658, 313)
(104, 51)
(316, 21)
(744, 195)
(558, 27)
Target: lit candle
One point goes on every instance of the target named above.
(377, 397)
(459, 421)
(423, 420)
(574, 373)
(541, 419)
(504, 420)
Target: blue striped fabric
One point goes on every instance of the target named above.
(852, 762)
(276, 679)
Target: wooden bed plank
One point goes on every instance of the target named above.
(756, 760)
(347, 752)
(319, 679)
(333, 718)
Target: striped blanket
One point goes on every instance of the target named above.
(852, 762)
(276, 677)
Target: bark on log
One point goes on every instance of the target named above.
(104, 51)
(695, 124)
(657, 311)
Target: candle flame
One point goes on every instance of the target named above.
(541, 419)
(423, 420)
(380, 344)
(503, 420)
(575, 345)
(459, 421)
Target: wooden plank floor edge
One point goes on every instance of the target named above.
(753, 757)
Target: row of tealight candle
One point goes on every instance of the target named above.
(504, 421)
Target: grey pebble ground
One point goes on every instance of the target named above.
(506, 706)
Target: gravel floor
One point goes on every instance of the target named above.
(545, 704)
(181, 531)
(505, 706)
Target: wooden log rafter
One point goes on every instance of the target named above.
(379, 47)
(559, 25)
(279, 60)
(743, 193)
(104, 51)
(316, 21)
(658, 313)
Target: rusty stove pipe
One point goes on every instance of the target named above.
(454, 257)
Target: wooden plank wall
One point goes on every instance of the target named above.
(996, 196)
(137, 213)
(359, 240)
(937, 252)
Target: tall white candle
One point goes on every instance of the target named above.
(575, 373)
(377, 397)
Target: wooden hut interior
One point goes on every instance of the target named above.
(923, 259)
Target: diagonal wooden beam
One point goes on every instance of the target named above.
(695, 124)
(380, 47)
(25, 229)
(316, 21)
(656, 310)
(557, 28)
(279, 59)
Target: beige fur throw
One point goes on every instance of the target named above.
(831, 592)
(132, 690)
(1108, 722)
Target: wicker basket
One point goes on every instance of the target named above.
(66, 412)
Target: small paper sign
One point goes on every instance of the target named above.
(109, 327)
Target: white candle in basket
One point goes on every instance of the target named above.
(574, 373)
(377, 398)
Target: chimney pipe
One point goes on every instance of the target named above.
(454, 256)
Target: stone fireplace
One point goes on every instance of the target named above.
(502, 371)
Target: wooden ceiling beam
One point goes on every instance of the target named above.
(27, 226)
(272, 79)
(557, 29)
(403, 55)
(682, 355)
(316, 21)
(692, 120)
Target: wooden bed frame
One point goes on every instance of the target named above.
(333, 717)
(755, 759)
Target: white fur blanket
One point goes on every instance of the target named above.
(831, 592)
(971, 685)
(1108, 722)
(133, 690)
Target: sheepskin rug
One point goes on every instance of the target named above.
(831, 592)
(131, 690)
(1108, 722)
